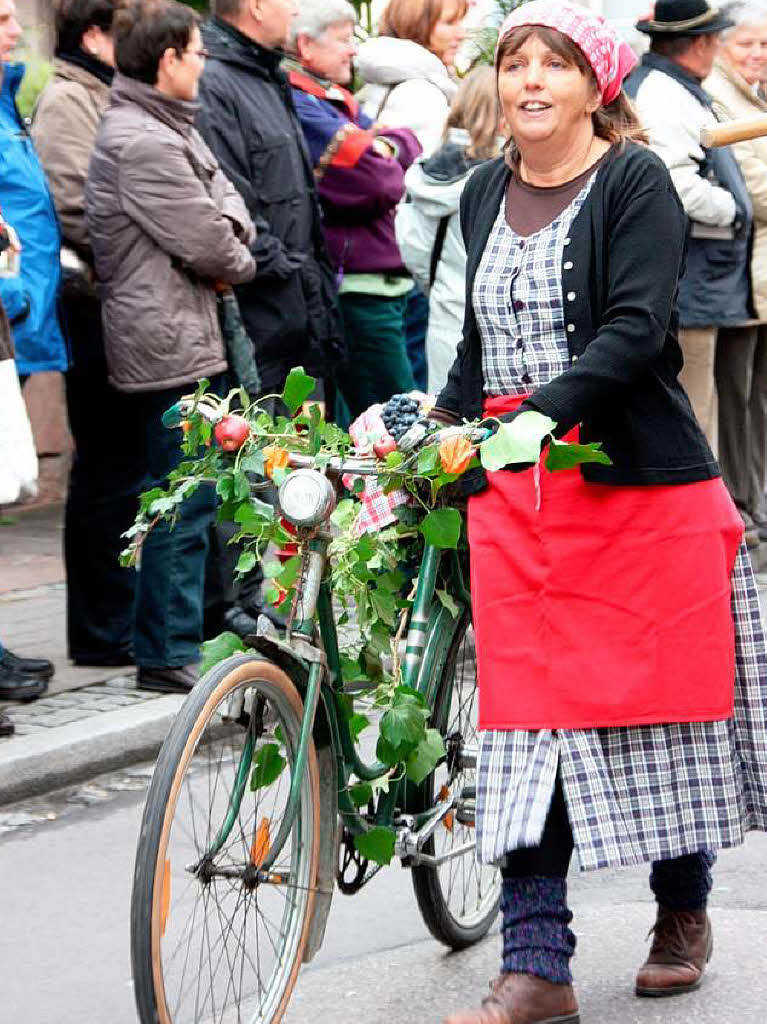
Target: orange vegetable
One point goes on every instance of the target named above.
(455, 454)
(276, 458)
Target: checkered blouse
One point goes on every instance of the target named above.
(519, 303)
(634, 793)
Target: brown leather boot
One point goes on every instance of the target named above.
(523, 999)
(682, 946)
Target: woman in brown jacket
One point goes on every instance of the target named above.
(165, 225)
(101, 501)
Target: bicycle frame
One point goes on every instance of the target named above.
(425, 642)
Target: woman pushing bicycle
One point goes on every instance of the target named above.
(622, 668)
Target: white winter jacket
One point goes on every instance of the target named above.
(434, 189)
(407, 86)
(674, 118)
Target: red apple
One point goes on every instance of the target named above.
(232, 432)
(384, 446)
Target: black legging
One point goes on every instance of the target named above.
(552, 858)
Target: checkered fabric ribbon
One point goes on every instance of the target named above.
(378, 509)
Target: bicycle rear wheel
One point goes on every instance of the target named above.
(212, 937)
(459, 899)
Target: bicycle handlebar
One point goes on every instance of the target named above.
(356, 466)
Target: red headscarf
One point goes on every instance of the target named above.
(611, 59)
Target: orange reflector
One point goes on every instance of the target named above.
(448, 821)
(165, 896)
(443, 794)
(259, 851)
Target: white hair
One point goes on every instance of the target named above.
(315, 17)
(743, 12)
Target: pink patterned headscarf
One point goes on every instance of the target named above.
(611, 59)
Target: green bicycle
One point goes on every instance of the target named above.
(234, 881)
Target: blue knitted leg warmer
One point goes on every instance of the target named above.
(536, 937)
(684, 882)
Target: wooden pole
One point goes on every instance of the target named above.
(729, 132)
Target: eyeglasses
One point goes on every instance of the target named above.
(201, 54)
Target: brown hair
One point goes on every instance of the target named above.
(415, 19)
(475, 109)
(618, 121)
(144, 30)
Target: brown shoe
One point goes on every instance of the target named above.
(523, 999)
(682, 946)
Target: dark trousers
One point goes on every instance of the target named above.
(682, 883)
(416, 327)
(101, 498)
(168, 624)
(378, 364)
(741, 380)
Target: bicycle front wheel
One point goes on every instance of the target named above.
(458, 898)
(214, 938)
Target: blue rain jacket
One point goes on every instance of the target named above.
(25, 200)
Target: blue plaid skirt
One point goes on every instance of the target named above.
(639, 793)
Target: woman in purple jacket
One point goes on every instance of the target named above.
(360, 170)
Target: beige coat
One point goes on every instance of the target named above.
(733, 97)
(165, 224)
(64, 130)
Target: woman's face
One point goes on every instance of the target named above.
(745, 50)
(184, 69)
(448, 34)
(544, 97)
(10, 30)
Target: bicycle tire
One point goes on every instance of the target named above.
(452, 930)
(152, 874)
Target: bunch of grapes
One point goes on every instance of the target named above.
(399, 414)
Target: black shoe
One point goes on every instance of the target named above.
(245, 623)
(38, 667)
(7, 728)
(168, 680)
(15, 686)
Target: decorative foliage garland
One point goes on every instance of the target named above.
(372, 573)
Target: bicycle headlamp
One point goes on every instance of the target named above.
(306, 498)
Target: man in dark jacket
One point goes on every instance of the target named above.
(249, 120)
(673, 105)
(290, 309)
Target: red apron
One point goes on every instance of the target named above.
(603, 606)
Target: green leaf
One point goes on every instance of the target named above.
(567, 456)
(385, 605)
(425, 757)
(518, 441)
(246, 562)
(298, 387)
(357, 724)
(428, 459)
(253, 464)
(449, 602)
(393, 459)
(402, 727)
(377, 845)
(268, 765)
(442, 528)
(222, 646)
(361, 793)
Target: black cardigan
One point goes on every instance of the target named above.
(620, 272)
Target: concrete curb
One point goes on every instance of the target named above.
(34, 764)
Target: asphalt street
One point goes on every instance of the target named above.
(66, 861)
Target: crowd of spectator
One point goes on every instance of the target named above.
(215, 200)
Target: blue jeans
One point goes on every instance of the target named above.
(168, 612)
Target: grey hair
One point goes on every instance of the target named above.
(743, 12)
(316, 16)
